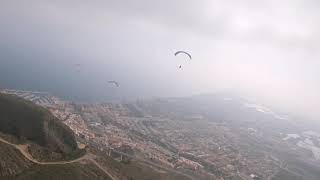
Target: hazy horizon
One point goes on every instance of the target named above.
(267, 49)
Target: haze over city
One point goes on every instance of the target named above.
(160, 90)
(266, 49)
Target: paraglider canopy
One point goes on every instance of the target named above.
(114, 83)
(183, 52)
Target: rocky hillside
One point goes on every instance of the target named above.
(26, 121)
(22, 122)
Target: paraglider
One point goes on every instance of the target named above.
(114, 83)
(183, 52)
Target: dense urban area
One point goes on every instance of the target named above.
(193, 141)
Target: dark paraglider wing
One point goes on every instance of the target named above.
(114, 82)
(183, 52)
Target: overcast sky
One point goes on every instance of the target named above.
(268, 48)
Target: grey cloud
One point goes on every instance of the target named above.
(268, 48)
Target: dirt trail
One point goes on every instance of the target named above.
(24, 151)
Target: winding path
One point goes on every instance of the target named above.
(24, 151)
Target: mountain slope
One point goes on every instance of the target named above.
(28, 122)
(22, 122)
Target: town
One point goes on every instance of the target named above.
(192, 145)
